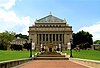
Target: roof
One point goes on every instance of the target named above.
(96, 44)
(51, 19)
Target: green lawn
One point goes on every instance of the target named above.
(12, 55)
(86, 54)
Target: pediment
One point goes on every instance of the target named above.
(50, 18)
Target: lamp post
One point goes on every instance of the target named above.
(71, 41)
(31, 48)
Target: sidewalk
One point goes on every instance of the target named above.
(51, 64)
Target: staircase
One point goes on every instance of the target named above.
(50, 56)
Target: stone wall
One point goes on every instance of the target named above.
(85, 62)
(12, 63)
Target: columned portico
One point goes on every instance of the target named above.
(50, 38)
(50, 31)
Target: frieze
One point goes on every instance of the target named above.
(50, 29)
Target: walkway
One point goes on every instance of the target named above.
(51, 64)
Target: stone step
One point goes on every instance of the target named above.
(50, 53)
(51, 58)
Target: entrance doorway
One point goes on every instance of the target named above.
(50, 49)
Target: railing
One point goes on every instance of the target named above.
(12, 63)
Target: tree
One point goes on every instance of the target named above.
(97, 42)
(21, 36)
(5, 39)
(16, 47)
(83, 39)
(27, 46)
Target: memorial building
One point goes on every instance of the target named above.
(50, 33)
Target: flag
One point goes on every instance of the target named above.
(69, 45)
(41, 46)
(33, 46)
(59, 45)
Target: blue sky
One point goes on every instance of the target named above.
(18, 15)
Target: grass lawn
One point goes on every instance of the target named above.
(12, 55)
(86, 54)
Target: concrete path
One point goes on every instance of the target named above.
(51, 64)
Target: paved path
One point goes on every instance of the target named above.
(51, 64)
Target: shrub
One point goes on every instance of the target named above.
(27, 46)
(16, 47)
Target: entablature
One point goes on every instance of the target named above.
(50, 29)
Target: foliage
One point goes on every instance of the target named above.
(16, 47)
(1, 47)
(21, 36)
(6, 55)
(83, 39)
(97, 42)
(5, 39)
(27, 46)
(85, 54)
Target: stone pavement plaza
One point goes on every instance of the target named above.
(50, 64)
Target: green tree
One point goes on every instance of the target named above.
(21, 36)
(27, 46)
(5, 39)
(97, 42)
(83, 39)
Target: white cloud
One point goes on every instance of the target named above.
(93, 29)
(26, 21)
(9, 19)
(7, 4)
(25, 31)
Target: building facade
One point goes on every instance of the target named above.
(50, 32)
(19, 41)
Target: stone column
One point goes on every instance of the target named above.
(34, 38)
(48, 38)
(58, 38)
(62, 38)
(45, 39)
(42, 38)
(37, 45)
(55, 38)
(65, 38)
(38, 39)
(52, 38)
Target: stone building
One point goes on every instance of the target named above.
(95, 46)
(51, 32)
(19, 41)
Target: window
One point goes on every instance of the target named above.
(43, 37)
(53, 37)
(63, 38)
(46, 37)
(40, 36)
(50, 38)
(56, 37)
(60, 37)
(59, 25)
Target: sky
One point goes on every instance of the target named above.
(18, 15)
